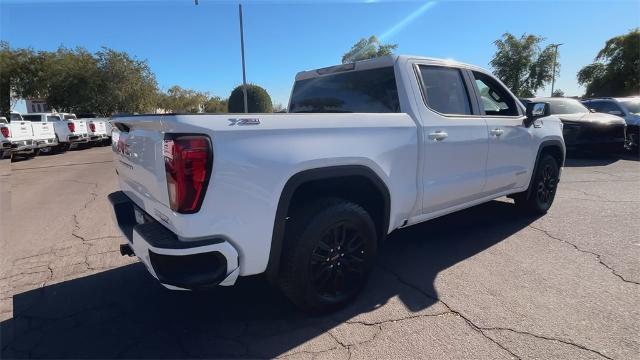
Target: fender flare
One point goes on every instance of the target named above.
(303, 177)
(552, 143)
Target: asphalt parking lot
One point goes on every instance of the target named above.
(482, 283)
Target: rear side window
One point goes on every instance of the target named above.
(444, 90)
(366, 91)
(53, 118)
(32, 117)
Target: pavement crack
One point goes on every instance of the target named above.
(597, 256)
(548, 339)
(471, 324)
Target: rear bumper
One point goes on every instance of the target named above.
(81, 138)
(43, 143)
(177, 264)
(22, 146)
(98, 137)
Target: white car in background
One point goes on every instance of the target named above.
(44, 135)
(5, 143)
(97, 130)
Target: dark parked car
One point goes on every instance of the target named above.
(628, 108)
(586, 129)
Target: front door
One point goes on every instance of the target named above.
(510, 142)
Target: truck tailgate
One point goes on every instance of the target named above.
(80, 126)
(43, 130)
(139, 162)
(101, 128)
(21, 130)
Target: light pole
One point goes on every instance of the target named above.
(553, 75)
(244, 75)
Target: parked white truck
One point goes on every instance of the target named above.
(308, 196)
(97, 130)
(44, 136)
(68, 132)
(21, 136)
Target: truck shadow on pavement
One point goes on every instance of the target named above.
(124, 313)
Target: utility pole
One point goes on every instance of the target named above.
(553, 75)
(244, 74)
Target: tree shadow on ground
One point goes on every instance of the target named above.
(123, 312)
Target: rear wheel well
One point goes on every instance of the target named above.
(357, 184)
(355, 188)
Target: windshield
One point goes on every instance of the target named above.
(632, 105)
(16, 116)
(70, 117)
(53, 118)
(566, 106)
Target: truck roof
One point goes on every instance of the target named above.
(383, 61)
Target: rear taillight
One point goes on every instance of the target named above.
(72, 126)
(92, 127)
(187, 162)
(5, 132)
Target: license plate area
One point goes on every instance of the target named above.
(140, 216)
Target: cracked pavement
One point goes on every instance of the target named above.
(483, 283)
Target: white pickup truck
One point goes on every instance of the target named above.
(44, 136)
(68, 132)
(97, 130)
(366, 148)
(21, 136)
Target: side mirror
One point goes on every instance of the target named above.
(536, 110)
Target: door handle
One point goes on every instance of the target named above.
(497, 132)
(438, 135)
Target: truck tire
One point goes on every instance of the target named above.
(543, 188)
(328, 255)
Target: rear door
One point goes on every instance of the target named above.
(454, 135)
(510, 142)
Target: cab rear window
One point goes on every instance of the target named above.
(366, 91)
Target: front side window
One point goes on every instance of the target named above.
(495, 99)
(32, 118)
(366, 91)
(444, 90)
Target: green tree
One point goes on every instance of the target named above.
(522, 64)
(616, 68)
(127, 85)
(258, 100)
(368, 49)
(557, 93)
(216, 105)
(181, 100)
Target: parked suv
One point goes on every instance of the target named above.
(628, 108)
(307, 197)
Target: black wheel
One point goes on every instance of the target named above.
(47, 150)
(543, 187)
(328, 256)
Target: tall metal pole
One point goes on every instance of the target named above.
(553, 75)
(244, 74)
